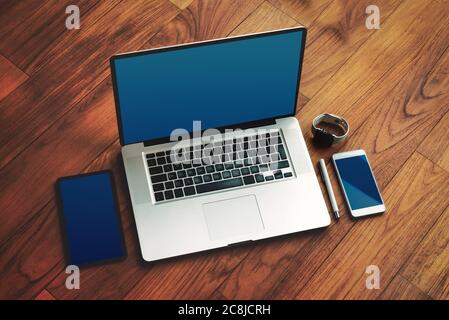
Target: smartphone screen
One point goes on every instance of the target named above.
(358, 182)
(90, 218)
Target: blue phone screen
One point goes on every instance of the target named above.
(358, 182)
(90, 215)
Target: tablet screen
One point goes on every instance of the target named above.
(90, 218)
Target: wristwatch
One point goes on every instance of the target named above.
(323, 138)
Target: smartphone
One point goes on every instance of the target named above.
(357, 181)
(89, 214)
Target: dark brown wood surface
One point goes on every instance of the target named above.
(57, 118)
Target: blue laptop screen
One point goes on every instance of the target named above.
(220, 84)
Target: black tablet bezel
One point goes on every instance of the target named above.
(60, 208)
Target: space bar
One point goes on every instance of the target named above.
(219, 185)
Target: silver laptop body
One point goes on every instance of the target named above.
(184, 204)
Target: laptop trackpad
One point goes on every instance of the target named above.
(233, 217)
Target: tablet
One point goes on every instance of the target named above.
(90, 221)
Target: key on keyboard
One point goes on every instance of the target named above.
(220, 165)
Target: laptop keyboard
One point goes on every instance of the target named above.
(230, 163)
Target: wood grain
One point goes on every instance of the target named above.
(62, 148)
(193, 277)
(44, 295)
(61, 151)
(163, 280)
(264, 18)
(14, 13)
(303, 11)
(391, 84)
(428, 268)
(21, 276)
(11, 77)
(387, 240)
(394, 129)
(181, 4)
(135, 271)
(334, 36)
(115, 278)
(292, 263)
(401, 289)
(436, 145)
(26, 41)
(73, 68)
(32, 257)
(377, 67)
(204, 20)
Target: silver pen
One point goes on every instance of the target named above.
(330, 192)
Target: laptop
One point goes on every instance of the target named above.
(212, 151)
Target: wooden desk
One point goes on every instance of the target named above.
(57, 118)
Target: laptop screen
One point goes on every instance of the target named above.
(220, 83)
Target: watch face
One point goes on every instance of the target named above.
(323, 139)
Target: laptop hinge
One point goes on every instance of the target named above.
(252, 124)
(156, 142)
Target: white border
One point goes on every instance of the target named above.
(364, 211)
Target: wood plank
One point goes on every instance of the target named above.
(429, 66)
(108, 280)
(284, 256)
(115, 280)
(191, 277)
(381, 63)
(428, 267)
(34, 255)
(181, 4)
(436, 145)
(40, 173)
(393, 135)
(414, 202)
(263, 270)
(401, 289)
(65, 47)
(25, 42)
(44, 295)
(11, 77)
(103, 107)
(387, 150)
(234, 14)
(264, 18)
(64, 149)
(286, 266)
(276, 268)
(334, 36)
(75, 66)
(29, 100)
(14, 13)
(204, 20)
(303, 11)
(98, 102)
(394, 129)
